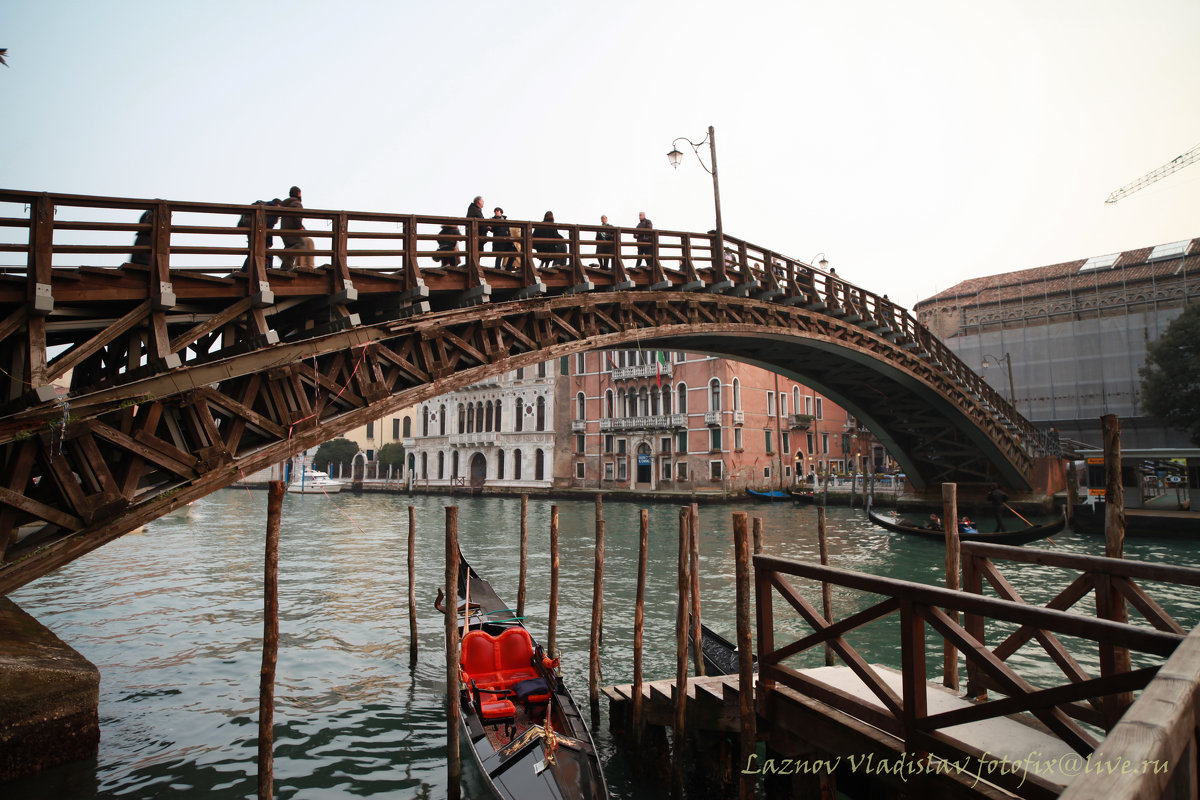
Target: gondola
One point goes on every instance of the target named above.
(774, 495)
(803, 495)
(720, 655)
(1033, 534)
(517, 717)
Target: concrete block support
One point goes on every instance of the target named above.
(48, 697)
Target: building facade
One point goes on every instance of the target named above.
(498, 433)
(651, 421)
(1065, 342)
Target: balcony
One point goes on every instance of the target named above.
(712, 418)
(579, 426)
(648, 423)
(641, 371)
(739, 416)
(800, 422)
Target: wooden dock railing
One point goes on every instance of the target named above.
(1110, 581)
(919, 607)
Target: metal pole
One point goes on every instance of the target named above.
(1012, 394)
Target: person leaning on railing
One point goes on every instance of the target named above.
(604, 243)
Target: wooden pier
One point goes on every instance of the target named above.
(874, 731)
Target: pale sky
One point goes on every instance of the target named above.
(915, 144)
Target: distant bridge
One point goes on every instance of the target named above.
(190, 362)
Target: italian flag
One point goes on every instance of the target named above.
(658, 365)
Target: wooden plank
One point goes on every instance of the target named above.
(39, 510)
(76, 355)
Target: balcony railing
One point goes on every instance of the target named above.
(653, 422)
(641, 371)
(479, 438)
(800, 421)
(712, 418)
(739, 416)
(578, 426)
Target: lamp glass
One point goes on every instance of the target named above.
(675, 157)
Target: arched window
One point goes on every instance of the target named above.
(479, 417)
(796, 399)
(424, 420)
(407, 427)
(412, 463)
(454, 464)
(441, 421)
(425, 466)
(608, 403)
(468, 418)
(714, 395)
(539, 470)
(621, 407)
(541, 413)
(681, 406)
(666, 399)
(490, 411)
(643, 403)
(580, 406)
(737, 394)
(499, 465)
(516, 465)
(519, 410)
(499, 416)
(542, 369)
(654, 393)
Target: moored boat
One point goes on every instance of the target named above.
(720, 655)
(899, 524)
(519, 720)
(774, 495)
(803, 495)
(315, 482)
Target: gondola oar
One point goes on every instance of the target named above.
(1010, 508)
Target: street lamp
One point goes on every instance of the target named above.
(990, 360)
(675, 157)
(823, 264)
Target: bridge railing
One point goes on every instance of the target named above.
(49, 231)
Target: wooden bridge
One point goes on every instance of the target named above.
(186, 360)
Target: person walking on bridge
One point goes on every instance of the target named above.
(294, 241)
(644, 250)
(475, 211)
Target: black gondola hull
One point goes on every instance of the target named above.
(900, 525)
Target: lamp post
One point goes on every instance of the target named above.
(823, 263)
(1012, 395)
(675, 157)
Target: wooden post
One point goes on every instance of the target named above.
(270, 653)
(1072, 491)
(453, 762)
(950, 526)
(758, 535)
(551, 644)
(1114, 493)
(524, 555)
(694, 557)
(639, 620)
(597, 613)
(826, 592)
(741, 554)
(1110, 603)
(412, 585)
(853, 487)
(681, 632)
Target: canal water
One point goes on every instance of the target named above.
(172, 618)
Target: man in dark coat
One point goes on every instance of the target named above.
(475, 210)
(142, 238)
(247, 220)
(644, 250)
(997, 498)
(294, 241)
(604, 243)
(547, 230)
(500, 230)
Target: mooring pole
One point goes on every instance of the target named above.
(953, 568)
(412, 585)
(758, 535)
(1110, 603)
(270, 652)
(597, 614)
(551, 644)
(639, 621)
(524, 554)
(694, 557)
(826, 592)
(453, 762)
(741, 552)
(1072, 491)
(681, 630)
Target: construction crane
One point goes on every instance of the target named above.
(1173, 165)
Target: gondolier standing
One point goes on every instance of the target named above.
(998, 498)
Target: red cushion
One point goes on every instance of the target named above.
(496, 710)
(514, 650)
(478, 654)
